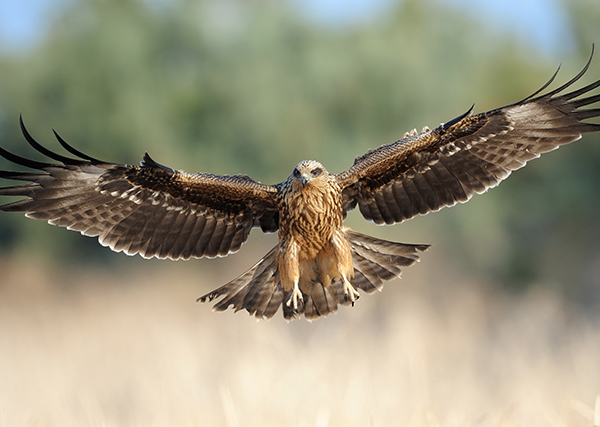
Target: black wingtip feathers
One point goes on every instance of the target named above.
(74, 151)
(459, 118)
(37, 146)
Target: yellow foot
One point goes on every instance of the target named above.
(296, 300)
(350, 294)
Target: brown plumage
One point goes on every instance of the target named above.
(318, 263)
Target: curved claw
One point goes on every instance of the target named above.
(296, 299)
(350, 292)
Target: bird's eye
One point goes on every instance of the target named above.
(317, 171)
(296, 173)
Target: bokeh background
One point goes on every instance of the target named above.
(498, 325)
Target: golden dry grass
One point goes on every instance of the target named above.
(138, 351)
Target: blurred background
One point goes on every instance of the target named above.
(498, 325)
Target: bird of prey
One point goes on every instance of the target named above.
(318, 263)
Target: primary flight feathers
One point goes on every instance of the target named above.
(318, 263)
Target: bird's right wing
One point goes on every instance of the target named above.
(148, 209)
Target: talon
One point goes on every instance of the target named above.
(296, 299)
(350, 294)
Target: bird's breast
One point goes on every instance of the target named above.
(310, 219)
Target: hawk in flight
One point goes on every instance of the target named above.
(318, 263)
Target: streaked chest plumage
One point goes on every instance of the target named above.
(309, 216)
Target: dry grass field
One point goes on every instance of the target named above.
(132, 348)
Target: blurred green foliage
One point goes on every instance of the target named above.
(251, 87)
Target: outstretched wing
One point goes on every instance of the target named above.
(425, 172)
(148, 209)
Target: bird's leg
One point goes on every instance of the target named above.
(296, 299)
(343, 254)
(350, 293)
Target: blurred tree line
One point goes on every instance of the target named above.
(254, 87)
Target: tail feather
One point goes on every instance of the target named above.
(376, 260)
(308, 308)
(378, 265)
(259, 289)
(318, 301)
(272, 304)
(369, 284)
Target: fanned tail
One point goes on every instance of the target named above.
(259, 289)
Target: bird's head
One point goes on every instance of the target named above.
(309, 173)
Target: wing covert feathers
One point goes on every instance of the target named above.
(148, 209)
(435, 168)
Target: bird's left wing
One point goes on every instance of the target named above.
(425, 172)
(148, 209)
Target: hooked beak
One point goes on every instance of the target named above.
(304, 180)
